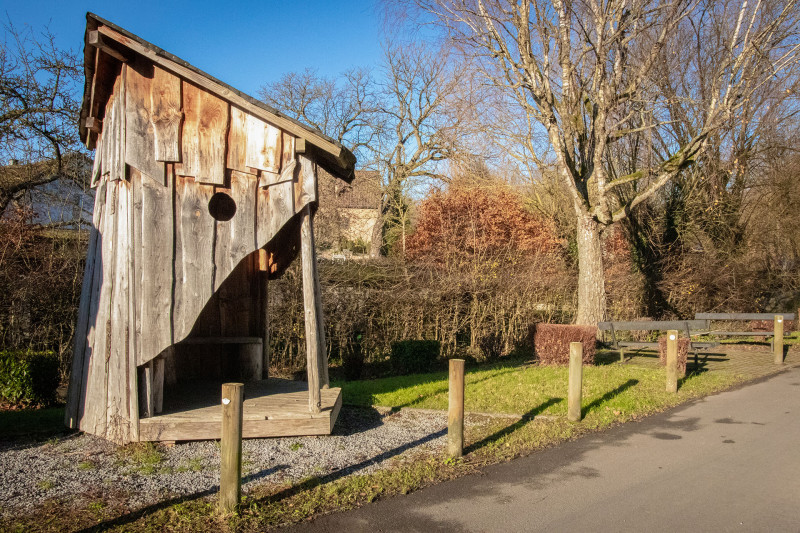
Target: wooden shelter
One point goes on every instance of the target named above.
(202, 195)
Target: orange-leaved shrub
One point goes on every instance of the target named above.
(551, 342)
(484, 220)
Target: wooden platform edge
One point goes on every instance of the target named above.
(155, 429)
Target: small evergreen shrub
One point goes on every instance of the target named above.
(412, 356)
(551, 342)
(28, 378)
(683, 352)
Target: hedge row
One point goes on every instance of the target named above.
(551, 342)
(28, 378)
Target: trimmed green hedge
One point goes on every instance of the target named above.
(28, 378)
(411, 356)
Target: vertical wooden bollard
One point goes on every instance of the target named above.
(777, 341)
(672, 360)
(230, 479)
(455, 415)
(575, 381)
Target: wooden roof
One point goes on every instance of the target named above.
(117, 45)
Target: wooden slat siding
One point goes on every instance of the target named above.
(237, 141)
(309, 267)
(118, 145)
(155, 302)
(146, 390)
(135, 340)
(194, 254)
(263, 212)
(742, 316)
(654, 325)
(96, 394)
(140, 140)
(96, 166)
(107, 136)
(80, 351)
(336, 152)
(281, 202)
(166, 114)
(99, 223)
(263, 145)
(235, 241)
(131, 326)
(203, 135)
(118, 419)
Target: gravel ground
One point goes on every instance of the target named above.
(81, 468)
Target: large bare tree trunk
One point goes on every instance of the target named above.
(591, 278)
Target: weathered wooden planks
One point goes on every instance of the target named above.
(80, 357)
(166, 114)
(194, 254)
(235, 269)
(272, 408)
(139, 130)
(237, 141)
(155, 267)
(203, 135)
(263, 145)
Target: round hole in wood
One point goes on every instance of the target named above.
(221, 207)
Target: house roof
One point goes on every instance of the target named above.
(118, 45)
(364, 192)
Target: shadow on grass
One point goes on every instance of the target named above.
(287, 493)
(141, 513)
(589, 407)
(508, 430)
(33, 424)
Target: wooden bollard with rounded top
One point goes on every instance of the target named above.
(777, 341)
(230, 479)
(455, 414)
(575, 381)
(672, 360)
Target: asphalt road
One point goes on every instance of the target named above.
(729, 462)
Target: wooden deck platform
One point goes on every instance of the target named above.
(272, 408)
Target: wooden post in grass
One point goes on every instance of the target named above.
(230, 479)
(777, 340)
(455, 415)
(575, 381)
(672, 360)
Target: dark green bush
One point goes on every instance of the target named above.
(28, 378)
(411, 356)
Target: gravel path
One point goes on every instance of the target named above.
(82, 468)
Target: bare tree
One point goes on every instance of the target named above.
(582, 70)
(38, 115)
(342, 108)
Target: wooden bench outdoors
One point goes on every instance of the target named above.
(687, 327)
(707, 318)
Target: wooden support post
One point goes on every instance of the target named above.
(777, 341)
(672, 360)
(621, 355)
(158, 384)
(575, 381)
(230, 479)
(309, 261)
(265, 324)
(455, 415)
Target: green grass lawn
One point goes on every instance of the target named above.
(610, 391)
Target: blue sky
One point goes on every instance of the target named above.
(245, 44)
